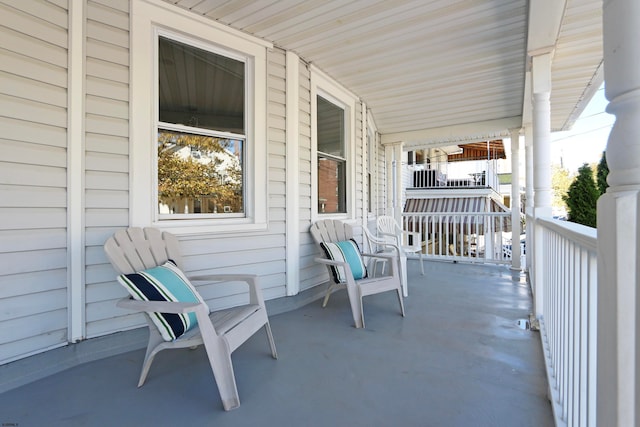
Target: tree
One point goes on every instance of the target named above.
(582, 198)
(560, 182)
(601, 174)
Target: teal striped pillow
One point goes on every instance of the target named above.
(346, 250)
(164, 283)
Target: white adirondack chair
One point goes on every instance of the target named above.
(332, 231)
(409, 242)
(136, 249)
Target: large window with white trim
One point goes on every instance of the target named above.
(198, 152)
(201, 131)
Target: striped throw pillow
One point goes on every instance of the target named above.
(164, 283)
(346, 250)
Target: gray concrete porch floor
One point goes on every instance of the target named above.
(458, 358)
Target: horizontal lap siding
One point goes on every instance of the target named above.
(33, 178)
(273, 278)
(106, 159)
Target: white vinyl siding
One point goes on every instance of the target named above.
(273, 283)
(106, 159)
(33, 178)
(35, 169)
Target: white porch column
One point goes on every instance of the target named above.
(528, 155)
(399, 190)
(541, 86)
(389, 179)
(393, 159)
(515, 199)
(618, 356)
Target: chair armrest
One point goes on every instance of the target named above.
(158, 306)
(412, 233)
(332, 262)
(381, 255)
(255, 291)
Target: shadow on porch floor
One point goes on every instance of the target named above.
(457, 359)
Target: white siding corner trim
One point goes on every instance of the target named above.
(292, 184)
(75, 172)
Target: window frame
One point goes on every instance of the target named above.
(327, 88)
(150, 19)
(180, 128)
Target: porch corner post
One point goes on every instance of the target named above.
(618, 298)
(515, 199)
(541, 86)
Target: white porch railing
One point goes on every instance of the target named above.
(568, 281)
(467, 174)
(462, 236)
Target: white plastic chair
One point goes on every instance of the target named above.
(378, 245)
(136, 249)
(409, 242)
(332, 231)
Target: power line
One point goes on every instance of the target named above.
(582, 133)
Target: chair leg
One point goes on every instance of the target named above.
(153, 347)
(421, 263)
(326, 297)
(399, 290)
(219, 355)
(272, 343)
(222, 367)
(355, 300)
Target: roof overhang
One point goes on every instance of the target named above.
(437, 72)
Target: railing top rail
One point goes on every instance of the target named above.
(587, 237)
(456, 213)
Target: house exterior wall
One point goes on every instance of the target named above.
(106, 159)
(33, 178)
(35, 282)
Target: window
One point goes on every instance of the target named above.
(201, 131)
(198, 135)
(332, 147)
(332, 160)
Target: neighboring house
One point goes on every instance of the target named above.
(311, 89)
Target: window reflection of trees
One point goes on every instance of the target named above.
(199, 174)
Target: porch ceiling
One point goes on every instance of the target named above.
(429, 69)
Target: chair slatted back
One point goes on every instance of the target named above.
(389, 225)
(136, 249)
(331, 230)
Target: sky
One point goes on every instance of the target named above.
(586, 141)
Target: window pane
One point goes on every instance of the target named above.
(199, 174)
(199, 88)
(331, 186)
(330, 128)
